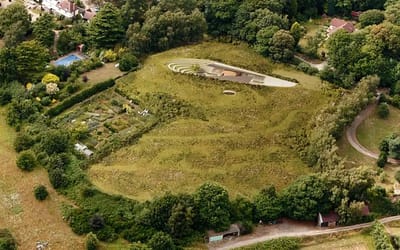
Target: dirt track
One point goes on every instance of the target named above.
(351, 134)
(241, 242)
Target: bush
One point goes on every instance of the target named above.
(5, 97)
(397, 176)
(278, 244)
(26, 161)
(50, 78)
(383, 110)
(81, 96)
(306, 68)
(128, 62)
(382, 160)
(109, 56)
(107, 234)
(46, 101)
(23, 142)
(58, 178)
(7, 241)
(161, 241)
(40, 193)
(91, 241)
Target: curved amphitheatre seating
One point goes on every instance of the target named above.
(214, 70)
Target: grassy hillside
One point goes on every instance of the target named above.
(28, 219)
(241, 144)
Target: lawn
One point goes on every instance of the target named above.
(348, 241)
(28, 219)
(241, 144)
(312, 27)
(374, 129)
(104, 73)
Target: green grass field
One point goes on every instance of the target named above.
(240, 145)
(348, 241)
(374, 129)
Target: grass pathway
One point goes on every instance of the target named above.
(29, 220)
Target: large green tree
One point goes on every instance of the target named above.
(282, 46)
(14, 13)
(268, 206)
(43, 29)
(306, 197)
(213, 206)
(31, 60)
(106, 28)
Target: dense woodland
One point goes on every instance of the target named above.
(132, 29)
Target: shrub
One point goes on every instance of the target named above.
(382, 160)
(40, 193)
(107, 234)
(46, 101)
(278, 244)
(22, 142)
(306, 68)
(161, 241)
(7, 241)
(128, 62)
(58, 178)
(383, 110)
(109, 56)
(50, 78)
(96, 222)
(72, 88)
(91, 241)
(26, 161)
(5, 97)
(79, 97)
(397, 176)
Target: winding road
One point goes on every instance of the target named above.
(236, 243)
(351, 134)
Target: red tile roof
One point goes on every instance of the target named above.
(331, 217)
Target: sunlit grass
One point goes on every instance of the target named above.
(242, 143)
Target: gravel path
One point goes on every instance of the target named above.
(238, 242)
(351, 134)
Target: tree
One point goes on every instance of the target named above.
(14, 35)
(371, 17)
(383, 110)
(392, 13)
(26, 161)
(43, 30)
(268, 206)
(181, 220)
(264, 37)
(40, 192)
(22, 110)
(282, 46)
(213, 206)
(161, 241)
(133, 11)
(106, 28)
(31, 59)
(297, 31)
(23, 141)
(8, 70)
(91, 241)
(13, 14)
(220, 15)
(127, 62)
(57, 178)
(55, 141)
(306, 197)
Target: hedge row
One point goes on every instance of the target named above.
(81, 96)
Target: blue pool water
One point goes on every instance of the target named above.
(68, 60)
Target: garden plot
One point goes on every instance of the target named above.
(98, 118)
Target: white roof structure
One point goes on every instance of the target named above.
(83, 149)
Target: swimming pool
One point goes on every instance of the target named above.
(67, 60)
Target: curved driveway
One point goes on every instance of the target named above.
(351, 134)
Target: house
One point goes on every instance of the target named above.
(338, 24)
(355, 14)
(83, 149)
(67, 6)
(328, 220)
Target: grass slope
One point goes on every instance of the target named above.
(374, 129)
(242, 143)
(28, 219)
(347, 241)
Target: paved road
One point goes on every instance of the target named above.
(241, 243)
(351, 134)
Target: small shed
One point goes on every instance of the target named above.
(396, 189)
(234, 231)
(328, 220)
